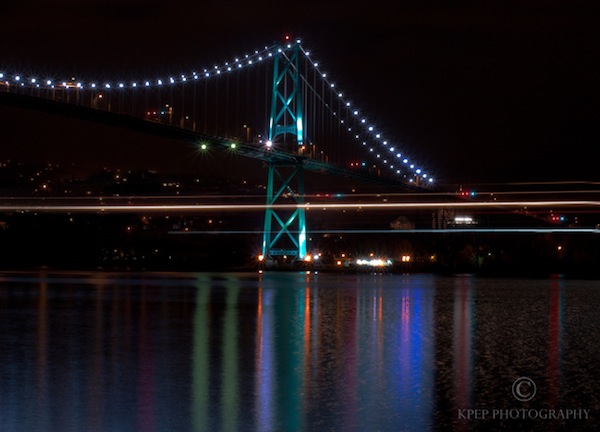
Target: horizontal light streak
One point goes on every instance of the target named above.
(414, 231)
(307, 206)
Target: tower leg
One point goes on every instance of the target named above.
(279, 237)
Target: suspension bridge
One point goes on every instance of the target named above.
(276, 104)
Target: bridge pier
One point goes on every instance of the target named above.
(284, 241)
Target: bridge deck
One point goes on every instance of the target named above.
(246, 149)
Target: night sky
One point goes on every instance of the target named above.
(480, 91)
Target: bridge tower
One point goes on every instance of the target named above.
(285, 233)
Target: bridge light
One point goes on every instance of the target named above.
(1, 75)
(159, 82)
(107, 86)
(269, 143)
(50, 83)
(17, 78)
(33, 80)
(121, 85)
(405, 161)
(418, 171)
(430, 180)
(147, 83)
(203, 146)
(233, 145)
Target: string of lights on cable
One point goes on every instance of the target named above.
(383, 153)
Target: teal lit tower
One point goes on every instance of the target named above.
(285, 233)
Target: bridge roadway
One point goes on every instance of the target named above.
(246, 149)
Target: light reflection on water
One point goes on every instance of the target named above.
(290, 351)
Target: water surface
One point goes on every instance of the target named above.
(294, 352)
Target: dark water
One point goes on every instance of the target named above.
(296, 352)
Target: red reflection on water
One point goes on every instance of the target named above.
(307, 330)
(264, 363)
